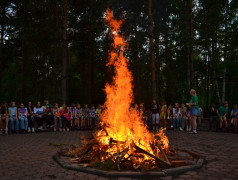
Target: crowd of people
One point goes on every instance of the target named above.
(31, 119)
(182, 117)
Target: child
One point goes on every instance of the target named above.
(98, 113)
(38, 112)
(64, 112)
(194, 110)
(176, 115)
(163, 113)
(213, 116)
(170, 115)
(13, 117)
(57, 118)
(200, 115)
(78, 116)
(72, 114)
(86, 116)
(155, 115)
(142, 113)
(4, 117)
(31, 124)
(183, 117)
(47, 113)
(222, 113)
(234, 115)
(92, 114)
(22, 116)
(188, 119)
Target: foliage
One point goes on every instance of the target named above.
(31, 51)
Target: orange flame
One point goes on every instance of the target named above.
(123, 123)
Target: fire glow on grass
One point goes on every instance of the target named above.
(121, 122)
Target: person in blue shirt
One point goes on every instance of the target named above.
(234, 115)
(13, 117)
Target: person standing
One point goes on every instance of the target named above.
(194, 110)
(155, 115)
(182, 117)
(188, 119)
(163, 113)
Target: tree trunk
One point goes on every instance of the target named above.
(64, 52)
(92, 96)
(225, 53)
(137, 67)
(55, 57)
(207, 83)
(24, 54)
(212, 56)
(90, 68)
(84, 77)
(3, 13)
(217, 88)
(23, 72)
(190, 71)
(152, 56)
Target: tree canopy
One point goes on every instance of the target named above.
(33, 45)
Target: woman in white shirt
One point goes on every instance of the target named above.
(38, 112)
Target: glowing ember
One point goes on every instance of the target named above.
(123, 123)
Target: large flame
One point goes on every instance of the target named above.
(121, 122)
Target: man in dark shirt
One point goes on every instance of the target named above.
(155, 115)
(213, 116)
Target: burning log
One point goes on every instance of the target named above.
(163, 153)
(158, 160)
(120, 157)
(115, 141)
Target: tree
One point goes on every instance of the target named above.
(225, 49)
(2, 23)
(64, 52)
(190, 71)
(152, 56)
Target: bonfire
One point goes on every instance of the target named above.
(122, 141)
